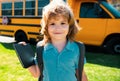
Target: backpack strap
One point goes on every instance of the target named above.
(81, 59)
(39, 51)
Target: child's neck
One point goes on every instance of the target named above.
(59, 44)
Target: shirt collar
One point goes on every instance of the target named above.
(69, 46)
(48, 46)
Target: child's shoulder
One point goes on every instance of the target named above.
(76, 43)
(72, 44)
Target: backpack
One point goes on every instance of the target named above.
(81, 46)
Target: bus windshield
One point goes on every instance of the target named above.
(109, 7)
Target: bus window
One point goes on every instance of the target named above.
(7, 9)
(30, 7)
(18, 8)
(41, 4)
(65, 0)
(92, 10)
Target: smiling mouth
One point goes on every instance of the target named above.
(57, 33)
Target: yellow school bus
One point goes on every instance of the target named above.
(21, 18)
(99, 20)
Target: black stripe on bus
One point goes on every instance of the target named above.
(30, 25)
(6, 35)
(33, 33)
(6, 30)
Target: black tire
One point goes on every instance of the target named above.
(21, 36)
(113, 46)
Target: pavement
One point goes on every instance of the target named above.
(4, 39)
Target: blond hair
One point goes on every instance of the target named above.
(53, 9)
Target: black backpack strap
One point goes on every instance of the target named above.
(39, 51)
(81, 59)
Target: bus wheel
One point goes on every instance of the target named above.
(21, 36)
(113, 46)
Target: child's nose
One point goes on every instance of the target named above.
(58, 26)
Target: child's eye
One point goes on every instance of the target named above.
(63, 23)
(52, 24)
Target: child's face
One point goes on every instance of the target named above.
(58, 27)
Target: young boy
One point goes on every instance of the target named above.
(61, 53)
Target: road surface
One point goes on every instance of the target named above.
(4, 39)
